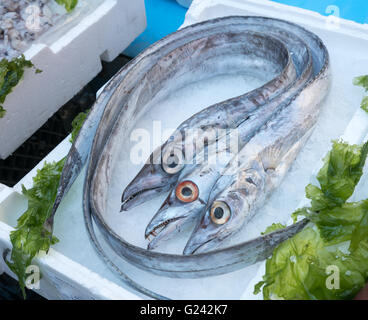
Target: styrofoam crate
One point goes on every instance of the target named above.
(72, 269)
(62, 278)
(69, 54)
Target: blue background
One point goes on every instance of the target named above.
(166, 16)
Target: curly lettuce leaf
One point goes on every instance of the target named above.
(30, 237)
(272, 228)
(11, 72)
(364, 104)
(298, 269)
(68, 4)
(360, 232)
(338, 224)
(342, 170)
(337, 236)
(362, 81)
(77, 124)
(2, 112)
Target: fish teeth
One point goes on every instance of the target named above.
(159, 228)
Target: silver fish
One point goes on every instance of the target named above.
(113, 117)
(214, 262)
(178, 209)
(165, 164)
(252, 175)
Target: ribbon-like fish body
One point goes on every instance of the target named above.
(127, 98)
(236, 51)
(190, 195)
(255, 171)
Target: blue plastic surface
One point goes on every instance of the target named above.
(166, 16)
(163, 17)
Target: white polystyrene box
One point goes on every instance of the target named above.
(72, 269)
(69, 54)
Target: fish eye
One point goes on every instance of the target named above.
(187, 191)
(173, 161)
(220, 212)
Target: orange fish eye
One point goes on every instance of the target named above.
(187, 191)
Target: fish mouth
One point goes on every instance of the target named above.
(132, 200)
(156, 229)
(195, 247)
(162, 231)
(169, 219)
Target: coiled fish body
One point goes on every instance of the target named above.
(126, 99)
(254, 172)
(243, 47)
(173, 212)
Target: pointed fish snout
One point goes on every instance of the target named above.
(170, 218)
(148, 183)
(191, 247)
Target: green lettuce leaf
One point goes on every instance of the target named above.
(364, 104)
(77, 124)
(337, 236)
(11, 72)
(342, 170)
(273, 227)
(30, 237)
(363, 82)
(68, 4)
(2, 112)
(360, 232)
(298, 269)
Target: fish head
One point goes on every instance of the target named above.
(222, 218)
(180, 207)
(228, 210)
(158, 175)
